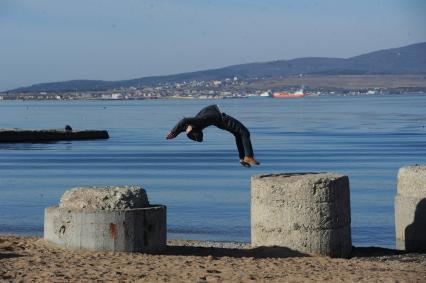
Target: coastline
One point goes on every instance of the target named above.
(32, 259)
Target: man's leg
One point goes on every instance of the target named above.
(240, 146)
(248, 149)
(242, 139)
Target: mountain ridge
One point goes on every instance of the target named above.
(410, 59)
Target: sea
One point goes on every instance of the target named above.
(206, 190)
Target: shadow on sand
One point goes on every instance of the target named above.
(271, 252)
(260, 252)
(9, 255)
(374, 252)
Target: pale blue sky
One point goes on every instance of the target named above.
(56, 40)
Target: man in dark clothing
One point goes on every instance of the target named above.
(211, 115)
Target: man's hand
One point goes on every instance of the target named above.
(188, 129)
(170, 136)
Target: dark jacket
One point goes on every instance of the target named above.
(209, 116)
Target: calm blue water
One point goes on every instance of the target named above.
(206, 190)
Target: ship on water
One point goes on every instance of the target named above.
(295, 94)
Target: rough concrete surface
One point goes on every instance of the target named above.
(129, 230)
(410, 209)
(412, 181)
(307, 212)
(105, 198)
(106, 219)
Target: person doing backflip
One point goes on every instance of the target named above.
(211, 115)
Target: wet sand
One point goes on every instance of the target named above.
(30, 259)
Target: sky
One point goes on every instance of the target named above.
(57, 40)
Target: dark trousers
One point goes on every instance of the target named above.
(241, 134)
(244, 145)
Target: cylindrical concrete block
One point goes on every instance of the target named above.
(106, 219)
(410, 209)
(129, 230)
(306, 212)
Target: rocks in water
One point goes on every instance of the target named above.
(105, 198)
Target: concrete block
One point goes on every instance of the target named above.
(307, 212)
(410, 209)
(116, 225)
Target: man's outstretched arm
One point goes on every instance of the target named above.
(180, 127)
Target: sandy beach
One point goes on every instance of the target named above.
(31, 259)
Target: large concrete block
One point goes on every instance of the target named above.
(307, 212)
(108, 219)
(410, 209)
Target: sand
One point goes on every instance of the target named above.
(31, 259)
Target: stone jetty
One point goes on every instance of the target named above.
(21, 136)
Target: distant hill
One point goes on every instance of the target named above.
(410, 59)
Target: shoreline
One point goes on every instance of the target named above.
(32, 259)
(346, 93)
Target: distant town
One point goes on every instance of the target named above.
(201, 89)
(388, 71)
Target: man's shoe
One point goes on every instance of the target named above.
(250, 160)
(245, 164)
